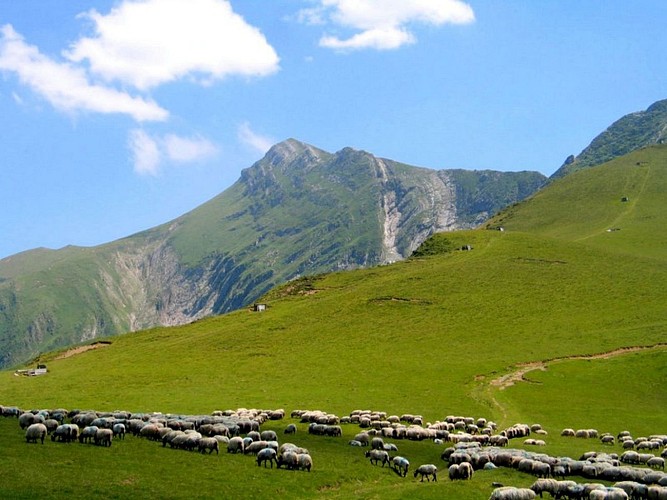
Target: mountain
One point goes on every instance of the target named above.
(298, 211)
(632, 132)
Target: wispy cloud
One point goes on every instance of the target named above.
(67, 87)
(149, 152)
(188, 149)
(382, 24)
(145, 152)
(150, 42)
(260, 143)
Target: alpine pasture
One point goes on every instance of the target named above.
(573, 286)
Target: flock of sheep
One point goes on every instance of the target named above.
(469, 444)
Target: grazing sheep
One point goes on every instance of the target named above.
(545, 485)
(426, 471)
(656, 463)
(354, 442)
(512, 493)
(267, 455)
(103, 437)
(290, 429)
(235, 445)
(609, 493)
(464, 470)
(63, 433)
(400, 465)
(268, 436)
(378, 456)
(304, 461)
(119, 430)
(209, 443)
(255, 447)
(288, 459)
(87, 434)
(377, 443)
(363, 438)
(35, 432)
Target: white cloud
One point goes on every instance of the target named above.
(379, 39)
(65, 86)
(150, 152)
(146, 43)
(145, 152)
(256, 141)
(383, 24)
(186, 150)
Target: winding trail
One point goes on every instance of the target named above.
(521, 369)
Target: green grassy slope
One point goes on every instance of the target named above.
(425, 336)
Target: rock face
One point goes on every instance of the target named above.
(299, 210)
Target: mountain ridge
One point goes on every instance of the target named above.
(298, 210)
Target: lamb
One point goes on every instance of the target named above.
(512, 493)
(290, 429)
(378, 456)
(235, 445)
(267, 455)
(35, 432)
(210, 444)
(400, 465)
(427, 470)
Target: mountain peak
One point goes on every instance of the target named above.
(290, 149)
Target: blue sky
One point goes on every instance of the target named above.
(116, 116)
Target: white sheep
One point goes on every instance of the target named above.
(209, 443)
(267, 455)
(400, 465)
(35, 432)
(512, 493)
(426, 471)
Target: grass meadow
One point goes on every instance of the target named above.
(426, 336)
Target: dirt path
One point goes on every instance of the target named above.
(522, 369)
(78, 350)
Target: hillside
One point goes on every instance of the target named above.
(297, 211)
(630, 133)
(573, 313)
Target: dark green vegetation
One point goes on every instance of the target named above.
(299, 210)
(432, 335)
(630, 133)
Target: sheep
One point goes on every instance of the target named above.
(26, 420)
(35, 432)
(208, 443)
(609, 493)
(463, 470)
(363, 438)
(255, 447)
(290, 429)
(268, 436)
(267, 455)
(377, 443)
(63, 433)
(119, 430)
(354, 442)
(656, 463)
(103, 437)
(235, 445)
(87, 434)
(400, 465)
(378, 456)
(426, 471)
(542, 485)
(288, 459)
(656, 493)
(512, 493)
(304, 461)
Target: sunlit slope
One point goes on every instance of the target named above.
(417, 336)
(587, 206)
